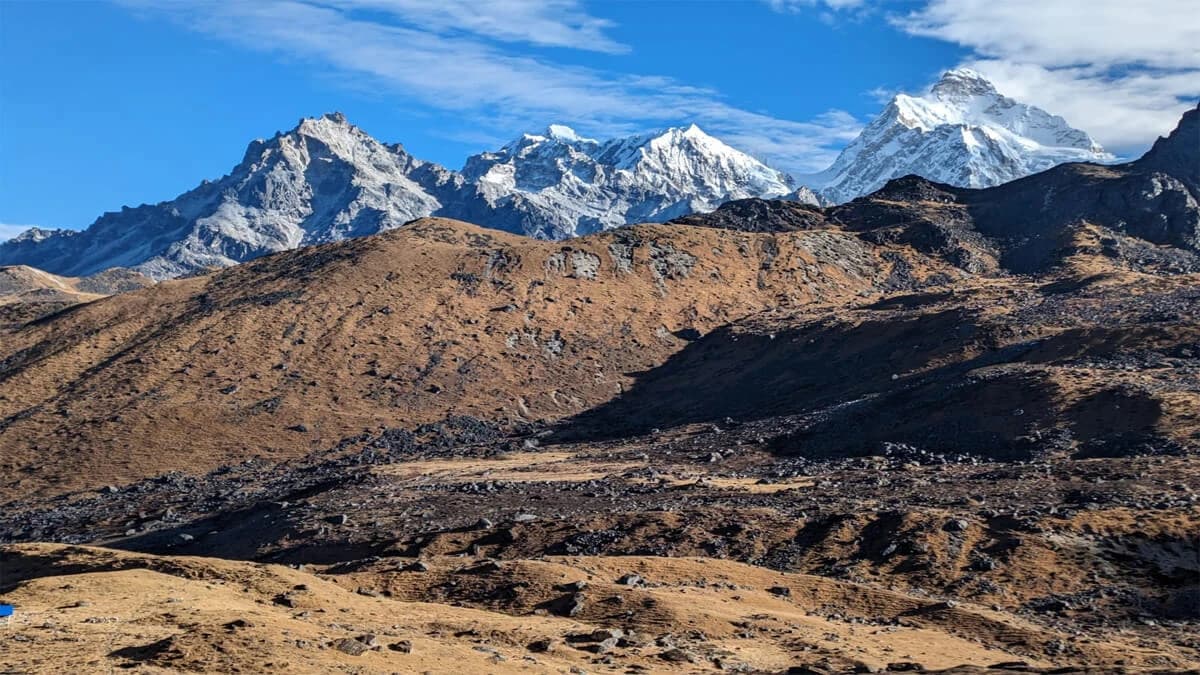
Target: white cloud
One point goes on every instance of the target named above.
(794, 6)
(829, 12)
(1123, 71)
(498, 90)
(1162, 34)
(552, 23)
(8, 231)
(1124, 113)
(881, 95)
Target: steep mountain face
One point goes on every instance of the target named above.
(558, 184)
(1175, 154)
(327, 180)
(962, 133)
(323, 181)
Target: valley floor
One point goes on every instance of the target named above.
(643, 555)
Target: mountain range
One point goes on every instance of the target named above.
(440, 317)
(932, 429)
(327, 180)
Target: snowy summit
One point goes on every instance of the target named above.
(962, 132)
(559, 184)
(327, 180)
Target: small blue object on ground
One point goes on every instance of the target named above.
(6, 610)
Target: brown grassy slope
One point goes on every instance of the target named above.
(20, 283)
(28, 294)
(298, 350)
(24, 284)
(99, 609)
(1100, 365)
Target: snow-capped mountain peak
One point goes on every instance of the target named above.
(326, 179)
(564, 133)
(321, 181)
(963, 132)
(333, 135)
(961, 83)
(331, 122)
(559, 184)
(691, 135)
(691, 154)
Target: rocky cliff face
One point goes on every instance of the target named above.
(1176, 153)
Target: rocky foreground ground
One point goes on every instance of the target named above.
(696, 548)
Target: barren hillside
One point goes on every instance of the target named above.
(296, 351)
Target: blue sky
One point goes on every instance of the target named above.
(108, 104)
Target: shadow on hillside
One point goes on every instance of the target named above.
(939, 380)
(760, 372)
